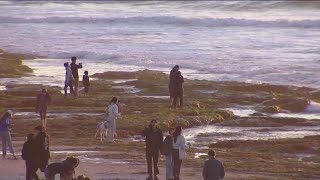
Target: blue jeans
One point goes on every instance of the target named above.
(169, 166)
(6, 141)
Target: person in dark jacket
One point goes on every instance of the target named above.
(28, 154)
(74, 69)
(213, 169)
(178, 89)
(172, 82)
(66, 169)
(166, 150)
(154, 140)
(41, 147)
(86, 82)
(43, 100)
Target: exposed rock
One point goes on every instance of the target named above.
(271, 109)
(226, 114)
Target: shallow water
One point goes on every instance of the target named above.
(203, 135)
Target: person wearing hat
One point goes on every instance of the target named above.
(41, 147)
(5, 133)
(213, 169)
(154, 141)
(43, 100)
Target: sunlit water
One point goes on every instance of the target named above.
(251, 41)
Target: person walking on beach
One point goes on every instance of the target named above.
(28, 154)
(172, 82)
(86, 82)
(74, 69)
(111, 115)
(41, 143)
(43, 100)
(213, 169)
(5, 134)
(178, 89)
(166, 150)
(68, 80)
(154, 140)
(179, 153)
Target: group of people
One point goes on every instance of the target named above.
(72, 78)
(173, 147)
(36, 153)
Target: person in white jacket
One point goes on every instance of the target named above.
(179, 152)
(68, 80)
(111, 116)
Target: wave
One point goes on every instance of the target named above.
(171, 20)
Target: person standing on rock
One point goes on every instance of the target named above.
(5, 134)
(68, 80)
(166, 149)
(178, 89)
(74, 69)
(179, 152)
(154, 141)
(86, 82)
(172, 82)
(213, 169)
(43, 100)
(111, 116)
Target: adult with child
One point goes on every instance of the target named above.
(178, 89)
(41, 143)
(179, 152)
(86, 82)
(154, 141)
(5, 134)
(66, 169)
(43, 100)
(28, 154)
(166, 150)
(213, 169)
(74, 69)
(172, 82)
(68, 80)
(112, 113)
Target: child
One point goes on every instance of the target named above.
(29, 156)
(166, 150)
(85, 81)
(66, 169)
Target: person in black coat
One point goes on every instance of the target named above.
(74, 68)
(41, 147)
(154, 140)
(28, 154)
(178, 89)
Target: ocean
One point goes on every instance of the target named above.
(275, 42)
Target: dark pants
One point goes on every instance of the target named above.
(31, 171)
(176, 163)
(175, 99)
(43, 113)
(66, 87)
(86, 89)
(152, 157)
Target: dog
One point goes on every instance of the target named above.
(102, 130)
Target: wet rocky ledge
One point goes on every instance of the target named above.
(143, 96)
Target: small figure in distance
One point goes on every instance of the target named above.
(213, 169)
(86, 82)
(112, 113)
(28, 154)
(74, 69)
(5, 134)
(43, 100)
(172, 82)
(178, 89)
(68, 80)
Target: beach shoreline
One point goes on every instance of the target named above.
(207, 103)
